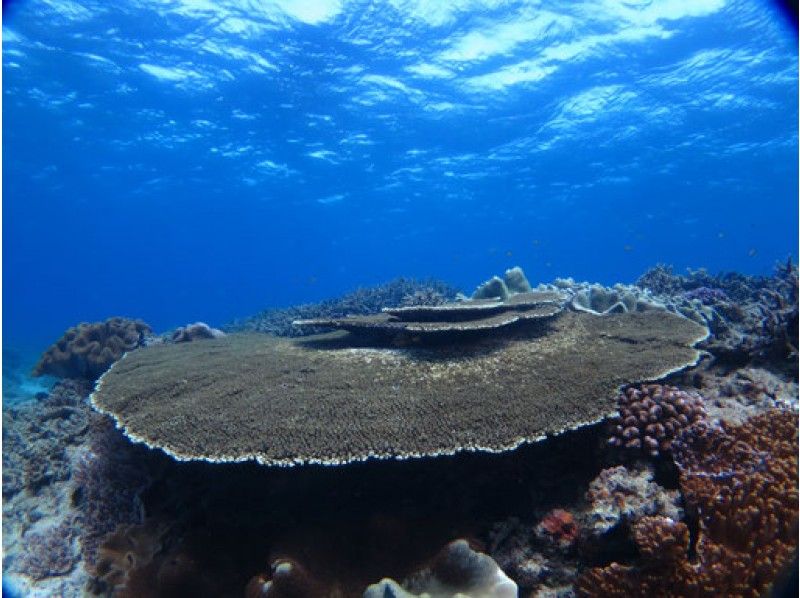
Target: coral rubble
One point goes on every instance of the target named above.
(87, 350)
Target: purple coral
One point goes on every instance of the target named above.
(652, 416)
(707, 295)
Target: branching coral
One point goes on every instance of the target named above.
(87, 350)
(740, 485)
(652, 416)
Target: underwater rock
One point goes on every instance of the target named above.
(196, 331)
(652, 416)
(740, 484)
(456, 572)
(320, 400)
(87, 350)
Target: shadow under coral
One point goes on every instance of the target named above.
(213, 527)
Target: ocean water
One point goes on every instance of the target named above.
(189, 160)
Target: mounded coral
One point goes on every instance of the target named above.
(87, 350)
(740, 486)
(457, 571)
(652, 416)
(196, 331)
(321, 400)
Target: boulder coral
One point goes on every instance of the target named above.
(740, 487)
(87, 350)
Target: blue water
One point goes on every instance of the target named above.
(201, 160)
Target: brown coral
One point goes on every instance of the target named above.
(652, 416)
(87, 350)
(740, 483)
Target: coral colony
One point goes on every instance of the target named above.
(404, 441)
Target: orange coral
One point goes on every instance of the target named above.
(560, 526)
(740, 483)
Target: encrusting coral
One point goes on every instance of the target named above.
(652, 416)
(87, 350)
(740, 485)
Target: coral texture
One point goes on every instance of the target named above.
(740, 485)
(88, 350)
(652, 416)
(487, 397)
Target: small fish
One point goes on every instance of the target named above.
(753, 252)
(509, 253)
(721, 235)
(628, 248)
(536, 242)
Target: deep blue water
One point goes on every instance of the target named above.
(198, 159)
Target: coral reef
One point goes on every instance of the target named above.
(491, 395)
(365, 301)
(88, 350)
(752, 318)
(559, 527)
(193, 332)
(108, 477)
(40, 526)
(652, 416)
(619, 496)
(740, 487)
(620, 298)
(736, 395)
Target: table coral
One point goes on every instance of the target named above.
(87, 350)
(740, 486)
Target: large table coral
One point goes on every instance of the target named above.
(325, 400)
